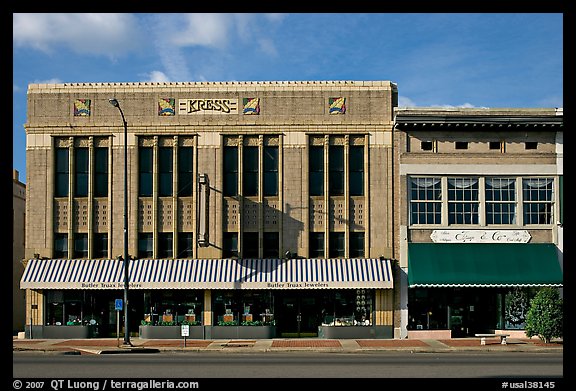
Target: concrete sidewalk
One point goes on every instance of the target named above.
(114, 346)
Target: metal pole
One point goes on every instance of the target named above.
(116, 104)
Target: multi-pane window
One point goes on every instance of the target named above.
(145, 171)
(185, 172)
(81, 172)
(230, 171)
(62, 172)
(101, 172)
(270, 171)
(356, 170)
(185, 245)
(425, 201)
(500, 200)
(250, 245)
(250, 174)
(316, 168)
(336, 170)
(230, 245)
(100, 245)
(80, 246)
(165, 155)
(145, 245)
(316, 245)
(463, 200)
(60, 246)
(271, 245)
(538, 196)
(165, 245)
(336, 245)
(356, 244)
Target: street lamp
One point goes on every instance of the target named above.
(114, 102)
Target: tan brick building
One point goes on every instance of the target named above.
(258, 202)
(18, 235)
(479, 217)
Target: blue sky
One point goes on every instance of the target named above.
(449, 60)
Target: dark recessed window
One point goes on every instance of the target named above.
(81, 246)
(336, 249)
(271, 245)
(356, 244)
(426, 145)
(145, 245)
(531, 145)
(336, 169)
(270, 171)
(165, 168)
(185, 172)
(165, 245)
(185, 244)
(101, 172)
(81, 172)
(356, 166)
(61, 187)
(100, 249)
(230, 245)
(145, 171)
(461, 145)
(250, 175)
(316, 164)
(230, 171)
(495, 145)
(60, 246)
(250, 245)
(316, 245)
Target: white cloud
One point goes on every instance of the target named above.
(404, 101)
(49, 81)
(157, 77)
(86, 33)
(209, 30)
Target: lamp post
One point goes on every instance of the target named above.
(114, 102)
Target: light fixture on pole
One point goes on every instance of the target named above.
(114, 102)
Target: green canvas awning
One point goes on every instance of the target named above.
(483, 265)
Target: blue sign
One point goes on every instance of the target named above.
(118, 305)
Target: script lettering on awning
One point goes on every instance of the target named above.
(480, 236)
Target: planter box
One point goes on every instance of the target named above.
(169, 332)
(231, 332)
(350, 332)
(61, 332)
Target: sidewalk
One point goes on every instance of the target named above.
(110, 345)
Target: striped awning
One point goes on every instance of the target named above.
(208, 274)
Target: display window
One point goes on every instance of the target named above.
(243, 308)
(173, 307)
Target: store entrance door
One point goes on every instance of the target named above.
(297, 315)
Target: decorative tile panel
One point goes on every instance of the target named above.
(166, 107)
(337, 105)
(251, 106)
(82, 108)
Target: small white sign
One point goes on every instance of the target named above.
(480, 236)
(185, 330)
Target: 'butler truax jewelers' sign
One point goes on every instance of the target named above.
(480, 236)
(207, 106)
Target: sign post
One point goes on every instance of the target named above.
(185, 331)
(118, 308)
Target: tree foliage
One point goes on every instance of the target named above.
(545, 316)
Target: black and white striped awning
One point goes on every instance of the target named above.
(209, 273)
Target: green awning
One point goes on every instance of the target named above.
(483, 265)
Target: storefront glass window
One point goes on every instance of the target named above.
(347, 307)
(243, 307)
(173, 307)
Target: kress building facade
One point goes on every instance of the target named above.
(249, 203)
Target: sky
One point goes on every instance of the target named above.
(495, 60)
